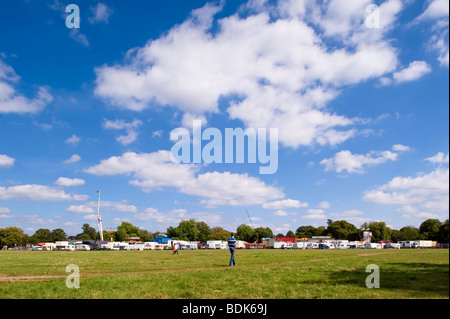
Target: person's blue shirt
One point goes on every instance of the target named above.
(231, 242)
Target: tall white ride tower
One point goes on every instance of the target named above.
(100, 229)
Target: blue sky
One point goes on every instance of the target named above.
(361, 111)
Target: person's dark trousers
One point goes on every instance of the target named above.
(232, 250)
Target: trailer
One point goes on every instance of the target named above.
(217, 244)
(425, 243)
(82, 247)
(299, 245)
(408, 244)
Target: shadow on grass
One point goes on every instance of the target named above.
(416, 278)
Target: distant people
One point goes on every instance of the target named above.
(174, 248)
(232, 247)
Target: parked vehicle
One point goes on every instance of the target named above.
(82, 247)
(36, 248)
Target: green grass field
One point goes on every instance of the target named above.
(204, 274)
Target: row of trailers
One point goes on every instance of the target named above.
(86, 245)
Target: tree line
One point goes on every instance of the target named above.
(192, 230)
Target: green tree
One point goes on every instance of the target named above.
(409, 233)
(443, 233)
(290, 233)
(127, 230)
(172, 232)
(58, 235)
(42, 235)
(218, 233)
(341, 229)
(429, 229)
(380, 231)
(262, 232)
(307, 232)
(89, 233)
(279, 235)
(12, 236)
(187, 230)
(203, 231)
(146, 235)
(246, 233)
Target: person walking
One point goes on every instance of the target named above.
(232, 247)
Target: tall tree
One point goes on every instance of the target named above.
(12, 236)
(203, 231)
(443, 233)
(408, 233)
(341, 229)
(290, 233)
(89, 233)
(429, 229)
(307, 232)
(42, 235)
(246, 233)
(380, 231)
(58, 235)
(127, 230)
(262, 232)
(218, 233)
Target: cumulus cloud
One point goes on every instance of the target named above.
(91, 207)
(64, 181)
(429, 191)
(74, 140)
(283, 204)
(357, 163)
(437, 15)
(439, 158)
(73, 159)
(153, 171)
(315, 214)
(129, 127)
(35, 192)
(274, 67)
(414, 71)
(6, 161)
(100, 13)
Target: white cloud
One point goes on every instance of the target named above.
(80, 209)
(256, 60)
(285, 203)
(122, 206)
(4, 210)
(153, 171)
(356, 163)
(64, 181)
(130, 128)
(74, 140)
(439, 158)
(171, 217)
(315, 214)
(6, 161)
(430, 191)
(437, 14)
(401, 148)
(73, 159)
(283, 213)
(36, 193)
(12, 102)
(414, 71)
(79, 37)
(101, 13)
(324, 205)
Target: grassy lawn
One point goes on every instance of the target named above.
(259, 274)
